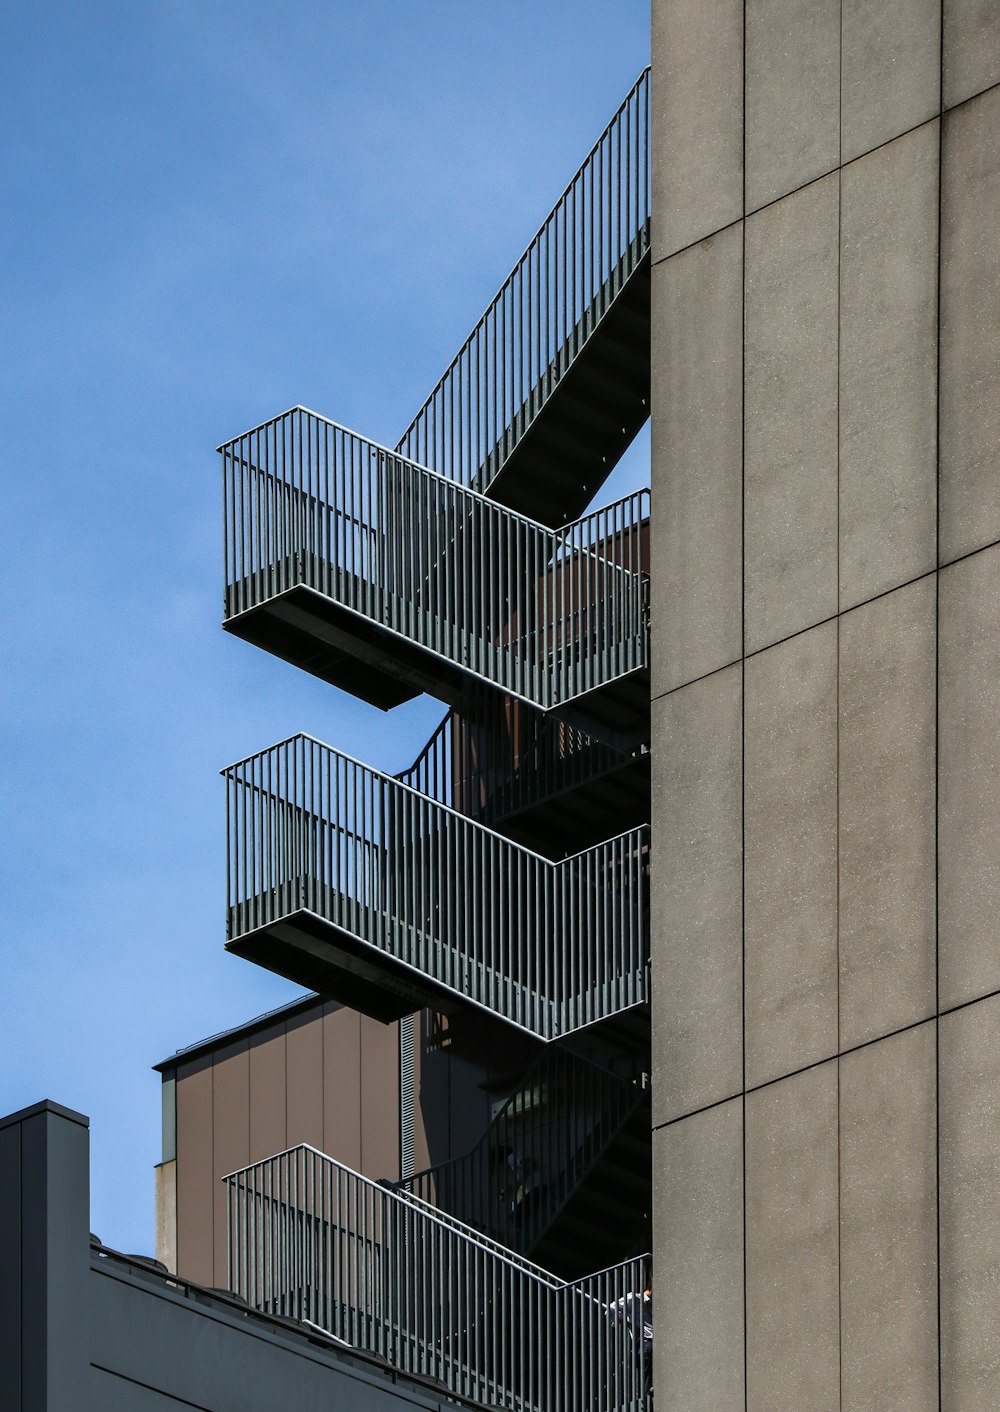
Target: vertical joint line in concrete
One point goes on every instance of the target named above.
(937, 712)
(743, 713)
(840, 241)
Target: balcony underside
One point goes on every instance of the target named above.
(579, 814)
(314, 632)
(306, 949)
(560, 456)
(624, 1034)
(309, 630)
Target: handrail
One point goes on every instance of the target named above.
(312, 1240)
(545, 615)
(552, 947)
(513, 1182)
(496, 757)
(584, 252)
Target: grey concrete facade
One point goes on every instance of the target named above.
(826, 704)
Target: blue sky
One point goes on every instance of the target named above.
(213, 211)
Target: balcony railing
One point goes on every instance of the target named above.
(311, 1240)
(544, 1141)
(546, 616)
(583, 255)
(551, 947)
(495, 758)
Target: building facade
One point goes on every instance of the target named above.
(826, 620)
(681, 931)
(320, 1073)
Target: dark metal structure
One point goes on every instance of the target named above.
(507, 869)
(389, 1273)
(381, 576)
(560, 1172)
(553, 382)
(359, 886)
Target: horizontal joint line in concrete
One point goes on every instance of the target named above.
(793, 191)
(831, 618)
(828, 1058)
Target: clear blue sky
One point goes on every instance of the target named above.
(214, 209)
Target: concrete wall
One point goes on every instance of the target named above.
(826, 552)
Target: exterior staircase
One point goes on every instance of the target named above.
(568, 1149)
(532, 777)
(507, 869)
(348, 881)
(552, 384)
(386, 579)
(313, 1241)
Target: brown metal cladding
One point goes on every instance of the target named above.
(379, 1099)
(342, 1084)
(230, 1134)
(194, 1170)
(304, 1096)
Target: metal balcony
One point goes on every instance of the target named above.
(562, 1174)
(350, 882)
(532, 777)
(553, 382)
(311, 1240)
(387, 579)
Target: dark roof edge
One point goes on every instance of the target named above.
(412, 1385)
(259, 1022)
(45, 1106)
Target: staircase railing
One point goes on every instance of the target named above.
(312, 1240)
(551, 947)
(544, 615)
(541, 1144)
(495, 758)
(586, 250)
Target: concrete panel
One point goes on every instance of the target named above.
(166, 1214)
(697, 460)
(792, 95)
(970, 316)
(969, 778)
(698, 1237)
(888, 1225)
(697, 120)
(230, 1138)
(790, 840)
(887, 813)
(304, 1078)
(793, 1336)
(697, 933)
(891, 75)
(970, 1199)
(971, 48)
(195, 1215)
(888, 366)
(342, 1085)
(268, 1092)
(790, 538)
